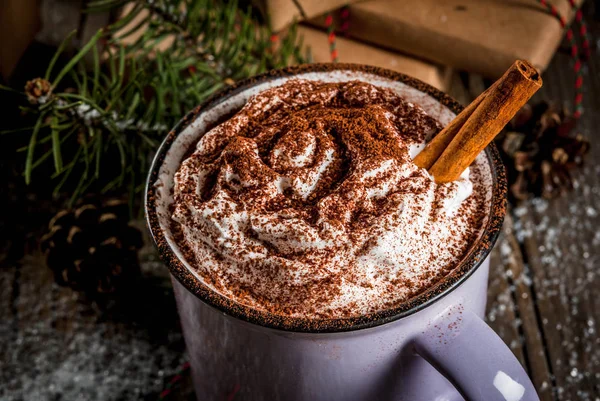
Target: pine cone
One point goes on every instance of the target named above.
(37, 89)
(93, 248)
(539, 150)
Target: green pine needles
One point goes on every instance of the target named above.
(100, 118)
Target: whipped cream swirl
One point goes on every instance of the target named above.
(306, 202)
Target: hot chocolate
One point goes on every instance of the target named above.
(307, 203)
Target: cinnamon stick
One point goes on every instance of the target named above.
(473, 129)
(440, 142)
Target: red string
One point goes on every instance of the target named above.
(331, 38)
(574, 49)
(235, 390)
(176, 378)
(583, 30)
(274, 39)
(179, 376)
(345, 25)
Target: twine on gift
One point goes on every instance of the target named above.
(574, 49)
(345, 25)
(274, 39)
(583, 29)
(331, 37)
(576, 55)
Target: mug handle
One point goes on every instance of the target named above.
(463, 348)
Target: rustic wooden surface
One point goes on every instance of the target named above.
(543, 297)
(543, 289)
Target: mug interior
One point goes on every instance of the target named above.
(177, 145)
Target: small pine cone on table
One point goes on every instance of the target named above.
(540, 149)
(93, 248)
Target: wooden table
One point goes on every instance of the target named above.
(543, 300)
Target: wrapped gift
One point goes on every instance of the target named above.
(19, 22)
(351, 51)
(281, 13)
(483, 36)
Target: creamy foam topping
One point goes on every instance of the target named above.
(307, 203)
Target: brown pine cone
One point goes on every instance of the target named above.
(93, 248)
(540, 149)
(37, 89)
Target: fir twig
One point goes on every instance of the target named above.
(107, 112)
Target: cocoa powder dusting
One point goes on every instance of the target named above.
(306, 203)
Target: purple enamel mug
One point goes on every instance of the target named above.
(433, 347)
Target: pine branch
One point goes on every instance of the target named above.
(102, 116)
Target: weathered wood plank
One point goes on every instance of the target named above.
(519, 326)
(561, 240)
(62, 345)
(501, 311)
(520, 283)
(564, 290)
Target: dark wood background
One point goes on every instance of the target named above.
(543, 299)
